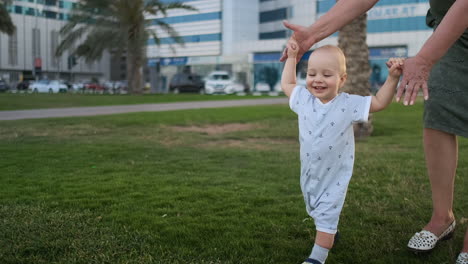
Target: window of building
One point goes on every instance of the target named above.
(30, 11)
(50, 14)
(18, 10)
(13, 49)
(273, 35)
(274, 15)
(51, 2)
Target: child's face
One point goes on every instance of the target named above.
(325, 75)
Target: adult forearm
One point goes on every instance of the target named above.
(450, 29)
(342, 13)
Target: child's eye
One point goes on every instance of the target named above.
(311, 75)
(327, 75)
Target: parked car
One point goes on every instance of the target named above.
(77, 86)
(222, 82)
(4, 86)
(94, 87)
(301, 78)
(48, 86)
(262, 87)
(23, 85)
(115, 86)
(186, 82)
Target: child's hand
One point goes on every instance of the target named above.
(395, 66)
(293, 48)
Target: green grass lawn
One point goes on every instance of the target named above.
(206, 186)
(20, 101)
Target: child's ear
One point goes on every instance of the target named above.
(343, 79)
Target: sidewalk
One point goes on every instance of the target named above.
(118, 109)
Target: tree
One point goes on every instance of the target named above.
(6, 25)
(118, 26)
(352, 40)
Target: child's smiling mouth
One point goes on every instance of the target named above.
(319, 88)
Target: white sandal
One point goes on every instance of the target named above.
(462, 258)
(425, 241)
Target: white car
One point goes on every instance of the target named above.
(301, 78)
(262, 87)
(47, 86)
(222, 82)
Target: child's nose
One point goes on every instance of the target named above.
(318, 79)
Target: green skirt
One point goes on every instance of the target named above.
(447, 107)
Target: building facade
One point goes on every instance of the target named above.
(246, 37)
(30, 52)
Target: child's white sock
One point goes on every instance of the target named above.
(319, 253)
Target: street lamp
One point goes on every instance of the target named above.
(37, 61)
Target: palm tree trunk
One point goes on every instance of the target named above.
(134, 72)
(135, 59)
(352, 40)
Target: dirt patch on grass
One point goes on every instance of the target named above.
(66, 131)
(250, 143)
(216, 129)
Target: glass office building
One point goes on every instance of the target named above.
(30, 52)
(246, 37)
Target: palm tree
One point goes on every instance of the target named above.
(117, 26)
(6, 25)
(352, 40)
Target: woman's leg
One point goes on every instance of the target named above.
(465, 243)
(441, 151)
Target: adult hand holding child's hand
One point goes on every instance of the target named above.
(292, 48)
(395, 66)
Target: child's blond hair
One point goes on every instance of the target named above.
(340, 55)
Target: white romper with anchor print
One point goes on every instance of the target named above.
(326, 140)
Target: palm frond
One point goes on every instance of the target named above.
(6, 2)
(154, 7)
(178, 5)
(69, 40)
(116, 26)
(171, 31)
(6, 24)
(97, 42)
(154, 36)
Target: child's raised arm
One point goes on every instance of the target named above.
(385, 94)
(288, 78)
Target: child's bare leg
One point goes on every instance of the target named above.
(323, 243)
(324, 239)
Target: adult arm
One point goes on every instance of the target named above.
(416, 70)
(342, 13)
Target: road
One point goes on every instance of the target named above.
(118, 109)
